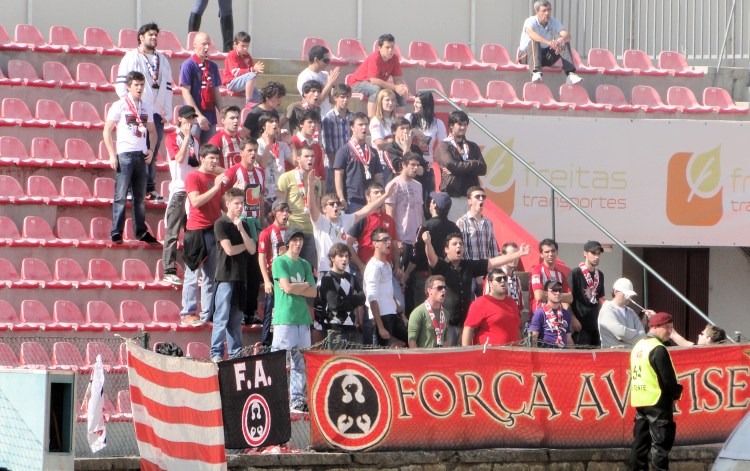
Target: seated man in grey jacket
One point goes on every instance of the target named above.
(619, 325)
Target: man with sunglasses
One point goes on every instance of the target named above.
(477, 231)
(551, 322)
(427, 321)
(378, 284)
(493, 318)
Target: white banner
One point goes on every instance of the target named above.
(648, 182)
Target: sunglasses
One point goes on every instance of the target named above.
(555, 290)
(325, 60)
(383, 239)
(439, 287)
(333, 203)
(500, 279)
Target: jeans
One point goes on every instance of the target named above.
(204, 136)
(150, 184)
(371, 92)
(174, 220)
(131, 173)
(266, 335)
(190, 284)
(293, 338)
(227, 320)
(238, 85)
(225, 8)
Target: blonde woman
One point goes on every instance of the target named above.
(381, 133)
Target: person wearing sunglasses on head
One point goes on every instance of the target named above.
(319, 58)
(492, 318)
(551, 324)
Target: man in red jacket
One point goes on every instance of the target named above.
(240, 71)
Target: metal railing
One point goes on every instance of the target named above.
(575, 206)
(705, 31)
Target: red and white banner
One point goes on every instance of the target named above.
(511, 397)
(176, 412)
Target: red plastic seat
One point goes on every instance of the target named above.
(425, 54)
(45, 150)
(34, 312)
(108, 359)
(70, 228)
(541, 96)
(612, 97)
(30, 35)
(352, 51)
(35, 270)
(505, 95)
(104, 188)
(12, 192)
(129, 235)
(127, 39)
(605, 62)
(677, 65)
(58, 73)
(24, 71)
(101, 40)
(397, 51)
(67, 312)
(461, 55)
(66, 356)
(10, 277)
(684, 99)
(466, 91)
(167, 313)
(641, 63)
(66, 37)
(101, 314)
(6, 44)
(8, 358)
(102, 270)
(498, 55)
(34, 356)
(50, 110)
(198, 351)
(94, 76)
(135, 270)
(38, 186)
(309, 43)
(581, 68)
(12, 238)
(68, 270)
(169, 44)
(16, 109)
(76, 188)
(13, 152)
(100, 230)
(424, 83)
(160, 266)
(36, 228)
(8, 81)
(213, 52)
(134, 313)
(649, 100)
(80, 150)
(576, 95)
(721, 102)
(87, 114)
(8, 316)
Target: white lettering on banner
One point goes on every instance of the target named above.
(685, 180)
(260, 376)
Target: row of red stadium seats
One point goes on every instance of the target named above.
(608, 97)
(69, 274)
(496, 57)
(95, 41)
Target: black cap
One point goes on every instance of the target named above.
(592, 246)
(291, 233)
(186, 111)
(442, 200)
(552, 284)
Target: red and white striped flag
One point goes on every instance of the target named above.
(176, 412)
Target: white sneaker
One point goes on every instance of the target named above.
(573, 79)
(536, 77)
(173, 279)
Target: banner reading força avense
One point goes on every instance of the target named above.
(511, 397)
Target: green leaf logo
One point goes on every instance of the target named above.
(500, 166)
(703, 174)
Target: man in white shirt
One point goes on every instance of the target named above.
(157, 90)
(619, 325)
(383, 310)
(133, 118)
(319, 58)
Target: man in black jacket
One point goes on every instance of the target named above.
(461, 163)
(653, 392)
(343, 294)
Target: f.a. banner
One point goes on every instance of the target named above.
(254, 400)
(511, 397)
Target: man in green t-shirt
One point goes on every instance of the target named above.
(293, 282)
(427, 321)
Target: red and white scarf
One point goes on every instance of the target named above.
(208, 93)
(135, 110)
(386, 157)
(362, 154)
(591, 283)
(555, 321)
(438, 323)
